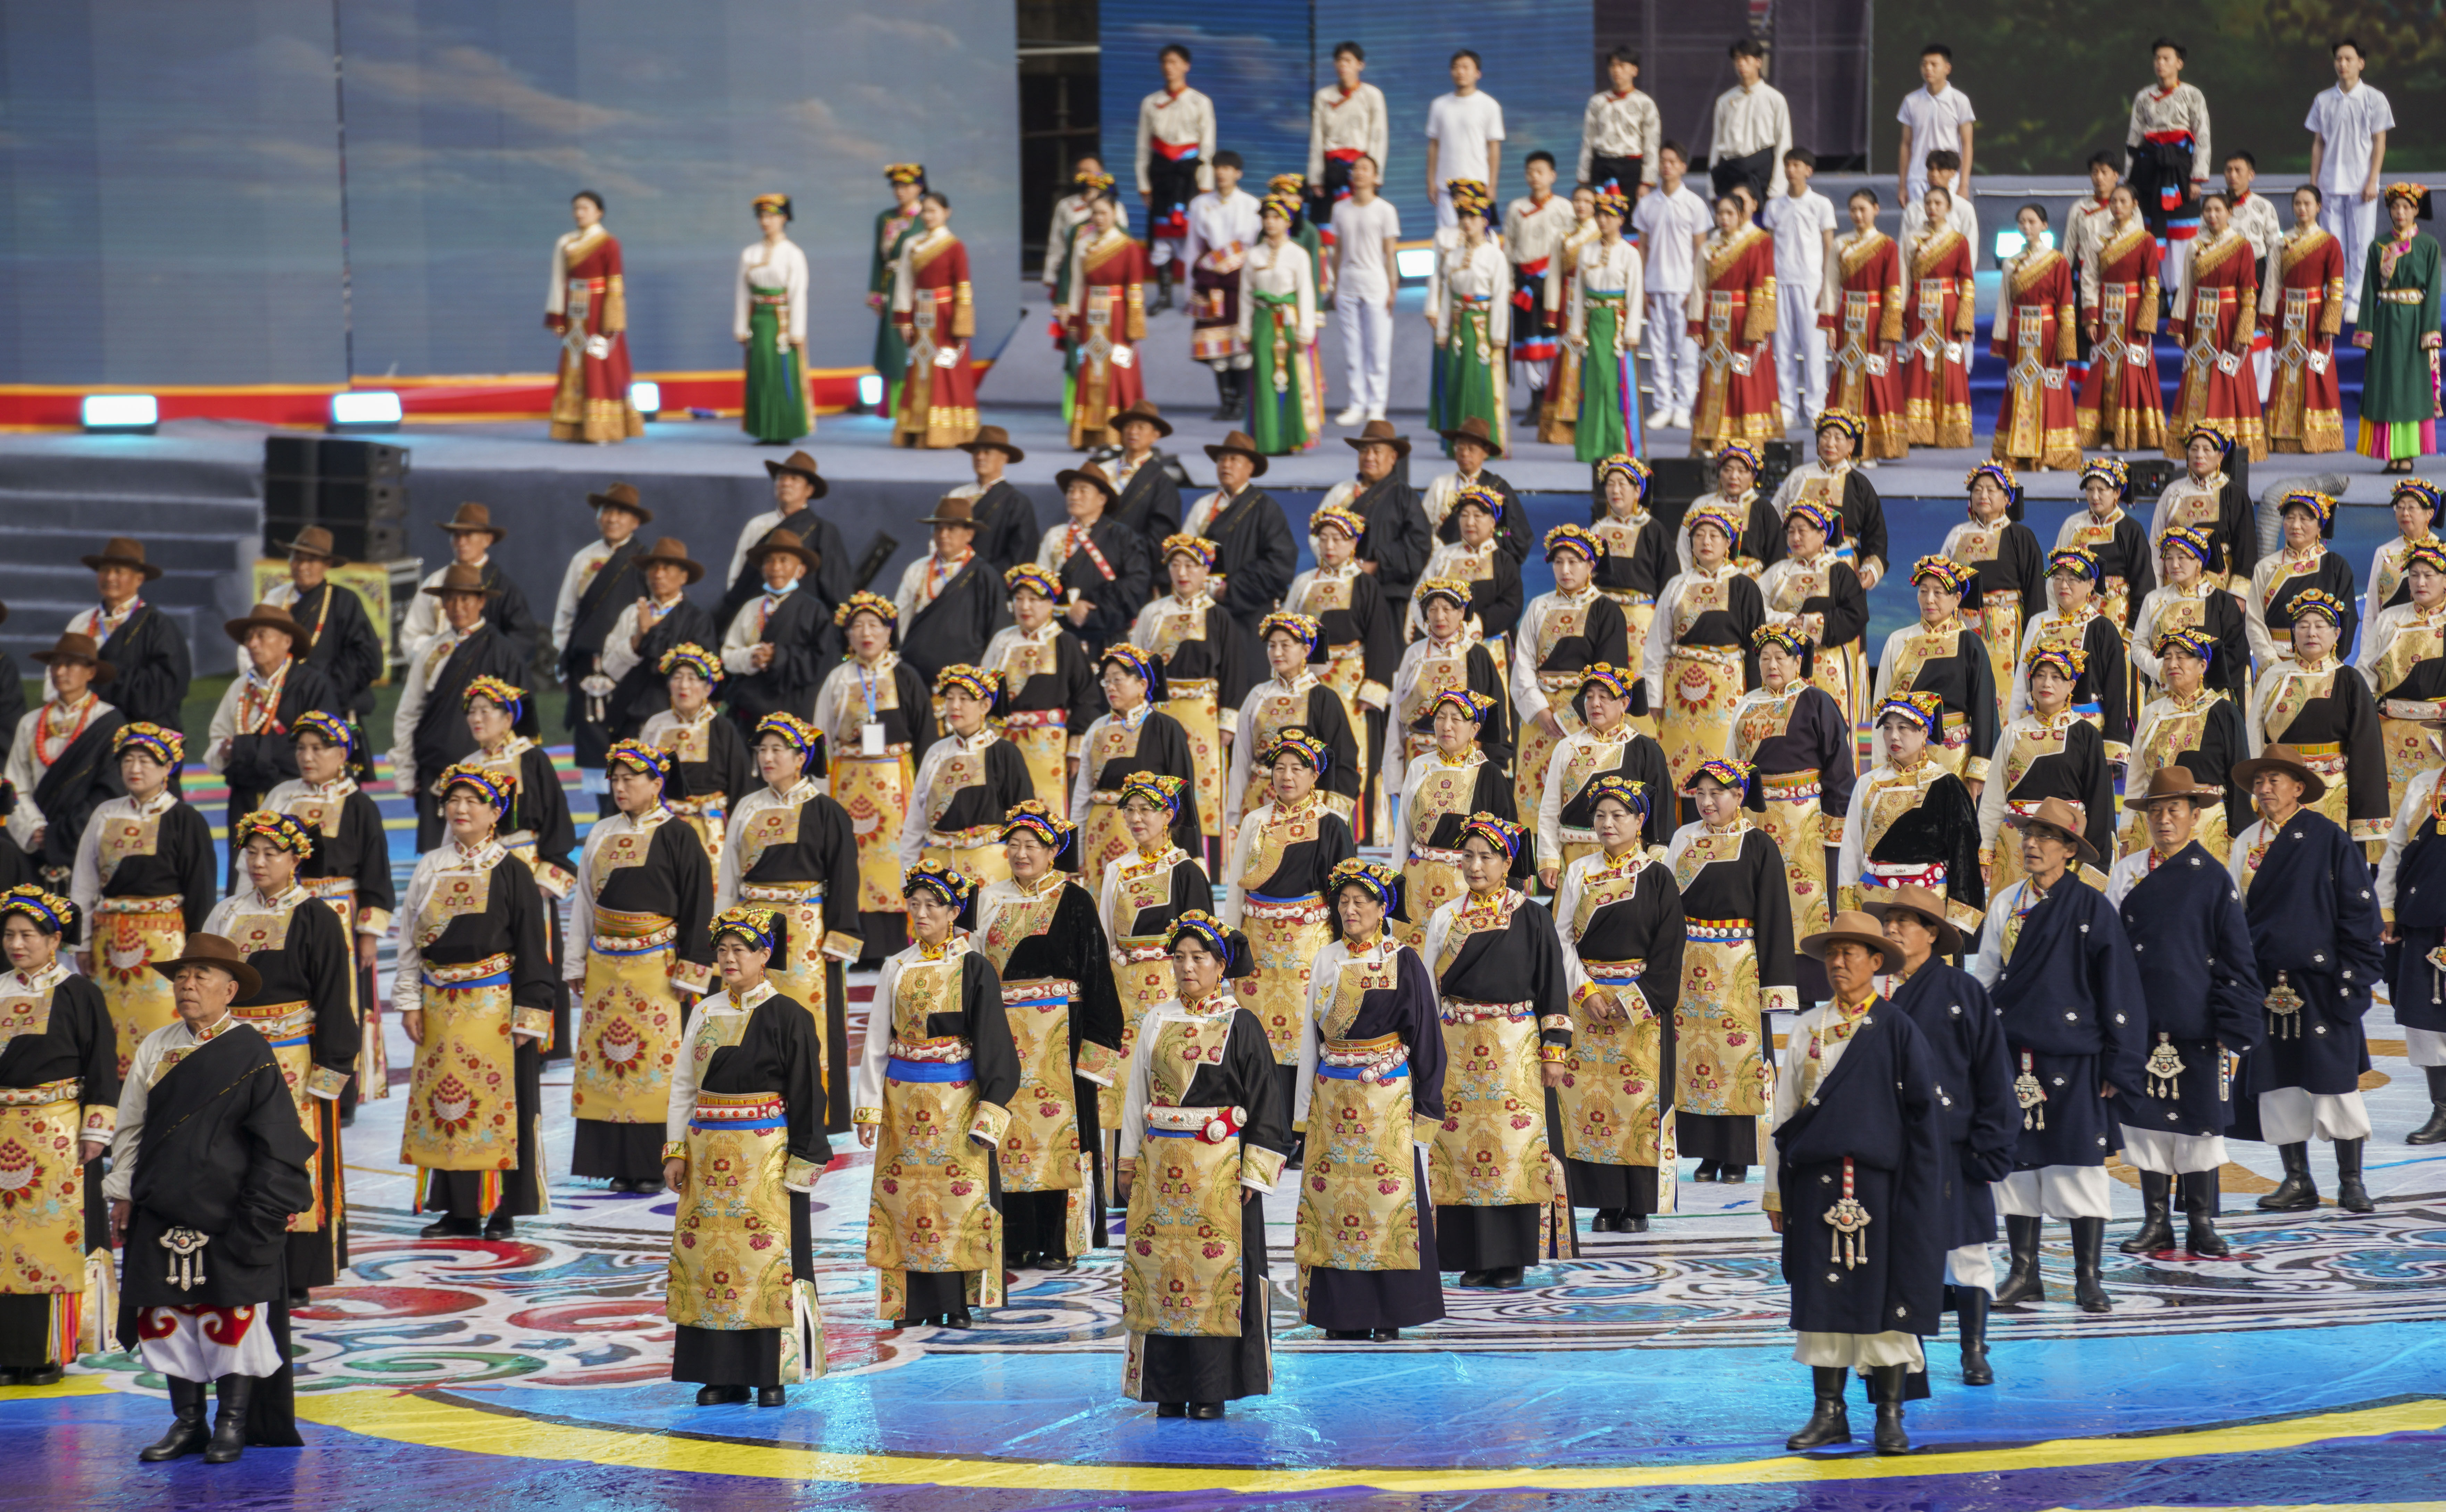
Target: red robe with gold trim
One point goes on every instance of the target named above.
(936, 315)
(589, 311)
(1106, 309)
(1732, 318)
(2301, 308)
(2122, 404)
(2214, 314)
(2034, 334)
(1940, 316)
(1862, 308)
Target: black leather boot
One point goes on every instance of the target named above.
(2434, 1131)
(1226, 394)
(2157, 1227)
(187, 1431)
(2088, 1253)
(2296, 1193)
(2022, 1280)
(1733, 1175)
(1886, 1385)
(1829, 1423)
(2350, 1194)
(229, 1428)
(2200, 1207)
(1970, 1305)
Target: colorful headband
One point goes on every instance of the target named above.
(1835, 417)
(2422, 489)
(943, 881)
(511, 699)
(1927, 710)
(792, 731)
(2430, 552)
(1613, 202)
(1031, 817)
(1783, 633)
(1627, 466)
(1739, 452)
(1711, 515)
(1158, 788)
(2001, 472)
(1378, 878)
(1469, 196)
(2214, 432)
(1614, 680)
(2318, 601)
(2190, 639)
(165, 746)
(1480, 495)
(1441, 588)
(282, 829)
(2190, 538)
(1574, 538)
(1473, 706)
(1829, 522)
(648, 761)
(1950, 574)
(864, 603)
(1095, 183)
(1306, 628)
(2405, 190)
(1287, 206)
(49, 912)
(1629, 792)
(974, 680)
(1197, 924)
(1342, 518)
(2111, 469)
(1285, 183)
(2322, 505)
(764, 202)
(1136, 661)
(1724, 770)
(2079, 560)
(1501, 833)
(1185, 544)
(333, 729)
(1298, 742)
(1035, 580)
(757, 925)
(905, 173)
(495, 783)
(2063, 656)
(705, 663)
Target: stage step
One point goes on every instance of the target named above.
(201, 522)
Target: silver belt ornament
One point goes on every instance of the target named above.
(2032, 1097)
(2284, 1010)
(186, 1247)
(2165, 1063)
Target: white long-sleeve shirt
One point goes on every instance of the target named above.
(85, 876)
(423, 670)
(1223, 227)
(1284, 269)
(1609, 268)
(924, 802)
(1341, 122)
(763, 270)
(583, 565)
(1751, 120)
(746, 631)
(619, 654)
(1466, 273)
(1179, 119)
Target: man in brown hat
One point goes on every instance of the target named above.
(61, 763)
(2184, 918)
(207, 1164)
(2314, 932)
(600, 584)
(344, 646)
(1856, 1190)
(797, 485)
(659, 618)
(780, 644)
(1147, 481)
(1103, 566)
(429, 731)
(1470, 445)
(1974, 1080)
(249, 743)
(1396, 541)
(1256, 554)
(152, 658)
(951, 600)
(2055, 961)
(1006, 533)
(473, 536)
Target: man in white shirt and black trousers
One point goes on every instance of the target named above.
(1347, 121)
(1753, 128)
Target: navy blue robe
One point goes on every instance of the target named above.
(1965, 1038)
(2313, 912)
(2201, 982)
(2419, 989)
(2071, 999)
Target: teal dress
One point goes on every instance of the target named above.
(776, 408)
(891, 232)
(2400, 307)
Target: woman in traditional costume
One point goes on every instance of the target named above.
(1136, 737)
(1278, 325)
(792, 850)
(711, 760)
(872, 710)
(1443, 786)
(2403, 659)
(1201, 656)
(2192, 726)
(2211, 499)
(769, 318)
(935, 1089)
(2006, 563)
(1836, 482)
(1276, 887)
(1632, 567)
(742, 1146)
(1621, 919)
(892, 230)
(1483, 561)
(1944, 656)
(1816, 592)
(144, 880)
(2216, 309)
(1446, 658)
(1601, 340)
(1141, 898)
(2186, 600)
(1293, 699)
(1371, 1087)
(2050, 752)
(587, 309)
(1359, 643)
(349, 870)
(58, 1107)
(1468, 304)
(2398, 329)
(1501, 1199)
(1736, 496)
(2416, 503)
(936, 314)
(2301, 308)
(2121, 406)
(1699, 660)
(1733, 299)
(1041, 932)
(636, 937)
(970, 780)
(2303, 564)
(1104, 307)
(1563, 634)
(474, 988)
(1941, 321)
(2102, 693)
(2035, 334)
(2315, 703)
(1205, 1132)
(536, 826)
(1798, 743)
(1601, 744)
(1912, 822)
(2126, 565)
(1049, 694)
(1862, 304)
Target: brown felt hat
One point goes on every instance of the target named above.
(213, 950)
(1379, 432)
(1142, 410)
(2169, 783)
(1473, 429)
(800, 463)
(1244, 444)
(673, 550)
(785, 541)
(471, 518)
(1088, 473)
(952, 512)
(622, 496)
(122, 550)
(1919, 902)
(273, 616)
(995, 436)
(1853, 927)
(314, 541)
(74, 647)
(461, 578)
(2055, 813)
(2281, 759)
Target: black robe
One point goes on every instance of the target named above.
(1492, 794)
(1816, 739)
(1329, 721)
(314, 966)
(1513, 530)
(2128, 556)
(1494, 736)
(1396, 541)
(79, 780)
(2104, 687)
(16, 867)
(1845, 604)
(1073, 948)
(2335, 575)
(1162, 749)
(775, 1053)
(2233, 537)
(825, 850)
(1965, 681)
(181, 865)
(1942, 831)
(258, 763)
(674, 882)
(830, 578)
(2018, 570)
(980, 1018)
(1754, 888)
(1649, 927)
(611, 589)
(1604, 636)
(2314, 922)
(1150, 502)
(1113, 601)
(77, 1043)
(644, 691)
(1219, 655)
(2222, 747)
(806, 645)
(1654, 562)
(2346, 717)
(2419, 987)
(1006, 784)
(2077, 774)
(154, 669)
(728, 770)
(345, 648)
(360, 851)
(1007, 529)
(440, 739)
(1495, 602)
(1071, 687)
(1523, 961)
(2075, 1016)
(1964, 1038)
(1643, 760)
(1255, 559)
(2228, 669)
(517, 922)
(2201, 981)
(221, 1152)
(1864, 526)
(956, 623)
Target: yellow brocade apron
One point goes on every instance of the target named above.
(1180, 1271)
(44, 1248)
(1621, 538)
(1492, 1150)
(875, 789)
(1194, 704)
(1103, 838)
(1284, 934)
(289, 1028)
(2405, 741)
(1358, 1197)
(933, 1209)
(128, 935)
(1044, 744)
(1720, 1056)
(1615, 1108)
(1142, 968)
(1794, 821)
(707, 813)
(1041, 1149)
(798, 970)
(1703, 684)
(1998, 622)
(462, 1096)
(730, 1265)
(2155, 747)
(339, 894)
(1598, 751)
(633, 1013)
(1431, 876)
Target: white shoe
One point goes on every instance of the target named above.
(1353, 415)
(1662, 419)
(1376, 414)
(1679, 420)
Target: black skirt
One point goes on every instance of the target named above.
(1728, 1139)
(1621, 1188)
(629, 1152)
(1486, 1239)
(316, 1258)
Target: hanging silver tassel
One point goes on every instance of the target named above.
(2283, 1011)
(2164, 1065)
(1848, 1220)
(186, 1247)
(2032, 1097)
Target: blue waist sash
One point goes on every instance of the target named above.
(899, 1070)
(1354, 1072)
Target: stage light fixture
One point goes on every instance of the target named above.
(870, 390)
(2009, 242)
(646, 397)
(1415, 262)
(136, 414)
(365, 409)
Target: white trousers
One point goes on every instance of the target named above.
(2289, 1116)
(1859, 1352)
(2352, 221)
(2154, 1149)
(1971, 1265)
(1800, 360)
(2055, 1191)
(1673, 354)
(206, 1343)
(1366, 328)
(2426, 1046)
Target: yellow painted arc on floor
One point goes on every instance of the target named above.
(438, 1420)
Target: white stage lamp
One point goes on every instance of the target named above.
(2009, 242)
(365, 409)
(1415, 262)
(870, 390)
(134, 412)
(646, 397)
